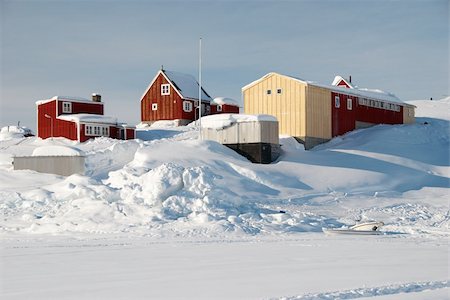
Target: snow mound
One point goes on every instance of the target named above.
(225, 100)
(177, 184)
(14, 132)
(56, 150)
(221, 121)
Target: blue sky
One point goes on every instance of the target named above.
(75, 48)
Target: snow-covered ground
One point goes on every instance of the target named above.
(175, 217)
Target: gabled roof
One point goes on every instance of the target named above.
(366, 93)
(338, 79)
(184, 84)
(269, 75)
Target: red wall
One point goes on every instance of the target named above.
(61, 128)
(82, 108)
(226, 109)
(43, 123)
(379, 115)
(344, 120)
(169, 106)
(130, 133)
(343, 84)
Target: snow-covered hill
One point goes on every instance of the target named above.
(175, 183)
(178, 218)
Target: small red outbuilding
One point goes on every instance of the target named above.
(78, 119)
(222, 105)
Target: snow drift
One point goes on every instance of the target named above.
(176, 184)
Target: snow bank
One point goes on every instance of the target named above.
(225, 100)
(57, 151)
(14, 132)
(91, 118)
(221, 121)
(176, 184)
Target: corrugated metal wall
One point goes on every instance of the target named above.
(287, 106)
(60, 165)
(244, 133)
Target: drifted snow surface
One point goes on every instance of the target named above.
(174, 193)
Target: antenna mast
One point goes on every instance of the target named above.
(200, 89)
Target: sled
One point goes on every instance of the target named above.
(367, 228)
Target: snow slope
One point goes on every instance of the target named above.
(173, 189)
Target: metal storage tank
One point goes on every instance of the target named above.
(253, 136)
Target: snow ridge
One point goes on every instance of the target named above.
(415, 287)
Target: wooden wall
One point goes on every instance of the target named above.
(318, 112)
(408, 115)
(287, 107)
(169, 106)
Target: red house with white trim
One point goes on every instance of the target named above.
(173, 96)
(223, 105)
(78, 119)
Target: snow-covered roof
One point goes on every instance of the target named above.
(57, 150)
(339, 78)
(374, 94)
(67, 98)
(224, 100)
(89, 118)
(225, 120)
(186, 85)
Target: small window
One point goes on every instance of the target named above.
(165, 89)
(219, 107)
(105, 131)
(67, 107)
(337, 102)
(154, 106)
(187, 106)
(349, 104)
(269, 92)
(278, 91)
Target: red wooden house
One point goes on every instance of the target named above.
(173, 96)
(78, 119)
(342, 82)
(222, 105)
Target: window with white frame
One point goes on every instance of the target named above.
(269, 92)
(67, 107)
(219, 107)
(187, 106)
(96, 130)
(278, 91)
(337, 102)
(165, 89)
(154, 106)
(349, 104)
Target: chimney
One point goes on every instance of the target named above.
(96, 97)
(350, 78)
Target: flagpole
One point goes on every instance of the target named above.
(200, 88)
